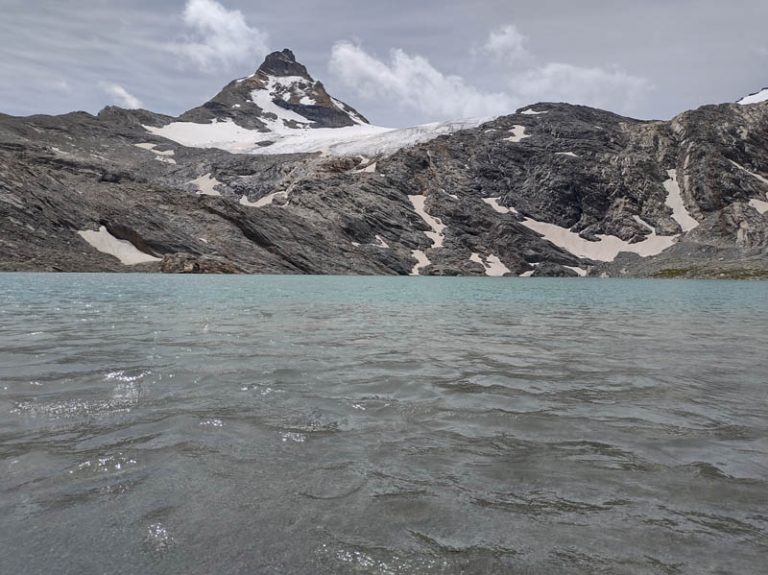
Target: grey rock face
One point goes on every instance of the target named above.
(582, 176)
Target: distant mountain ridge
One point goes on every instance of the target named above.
(275, 175)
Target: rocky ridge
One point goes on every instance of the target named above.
(551, 190)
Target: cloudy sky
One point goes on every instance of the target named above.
(399, 62)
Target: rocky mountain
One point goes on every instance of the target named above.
(274, 175)
(280, 95)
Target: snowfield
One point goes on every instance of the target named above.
(361, 139)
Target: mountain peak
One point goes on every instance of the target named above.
(283, 64)
(280, 95)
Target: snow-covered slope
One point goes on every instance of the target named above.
(362, 139)
(756, 98)
(281, 109)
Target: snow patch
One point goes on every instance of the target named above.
(492, 264)
(369, 169)
(605, 249)
(381, 243)
(753, 174)
(755, 98)
(645, 224)
(518, 134)
(581, 272)
(759, 205)
(205, 185)
(279, 88)
(288, 87)
(422, 261)
(263, 202)
(569, 154)
(125, 251)
(437, 234)
(356, 118)
(495, 267)
(675, 201)
(530, 273)
(494, 203)
(165, 156)
(531, 112)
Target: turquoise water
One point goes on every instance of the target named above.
(196, 424)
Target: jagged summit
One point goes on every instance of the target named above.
(283, 63)
(280, 95)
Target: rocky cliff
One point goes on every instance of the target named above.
(274, 175)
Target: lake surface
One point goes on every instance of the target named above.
(155, 424)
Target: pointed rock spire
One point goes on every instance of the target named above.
(283, 64)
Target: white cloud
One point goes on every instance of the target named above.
(506, 43)
(121, 96)
(557, 82)
(218, 36)
(61, 85)
(413, 82)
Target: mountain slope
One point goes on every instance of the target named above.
(553, 189)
